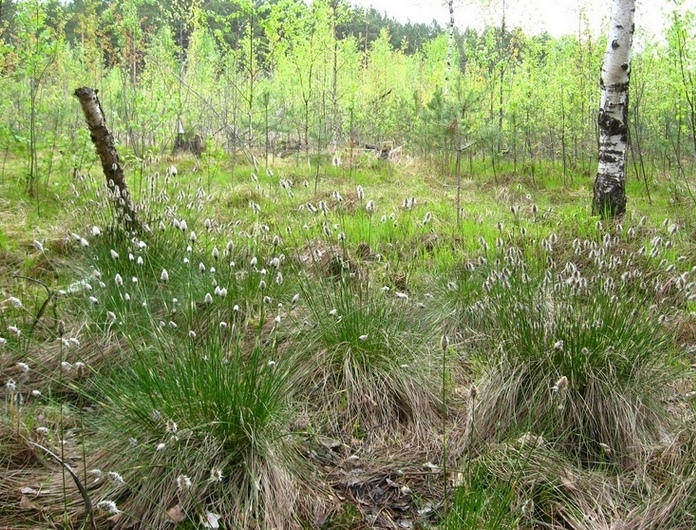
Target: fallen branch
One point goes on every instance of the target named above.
(85, 496)
(42, 310)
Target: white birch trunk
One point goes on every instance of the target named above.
(609, 188)
(450, 47)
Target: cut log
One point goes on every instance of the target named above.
(111, 163)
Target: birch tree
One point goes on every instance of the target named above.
(610, 183)
(450, 46)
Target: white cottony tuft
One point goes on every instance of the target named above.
(116, 478)
(363, 337)
(38, 245)
(560, 385)
(164, 276)
(114, 254)
(211, 520)
(208, 298)
(16, 302)
(183, 482)
(108, 507)
(215, 475)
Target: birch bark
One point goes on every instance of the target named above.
(111, 163)
(610, 184)
(450, 47)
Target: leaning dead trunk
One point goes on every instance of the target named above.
(111, 163)
(610, 183)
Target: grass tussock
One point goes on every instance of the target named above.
(366, 358)
(197, 428)
(576, 357)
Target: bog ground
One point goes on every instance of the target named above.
(331, 348)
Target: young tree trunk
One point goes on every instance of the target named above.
(111, 163)
(610, 183)
(450, 47)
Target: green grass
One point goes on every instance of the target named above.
(293, 344)
(366, 356)
(197, 409)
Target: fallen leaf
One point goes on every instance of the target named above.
(176, 514)
(26, 504)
